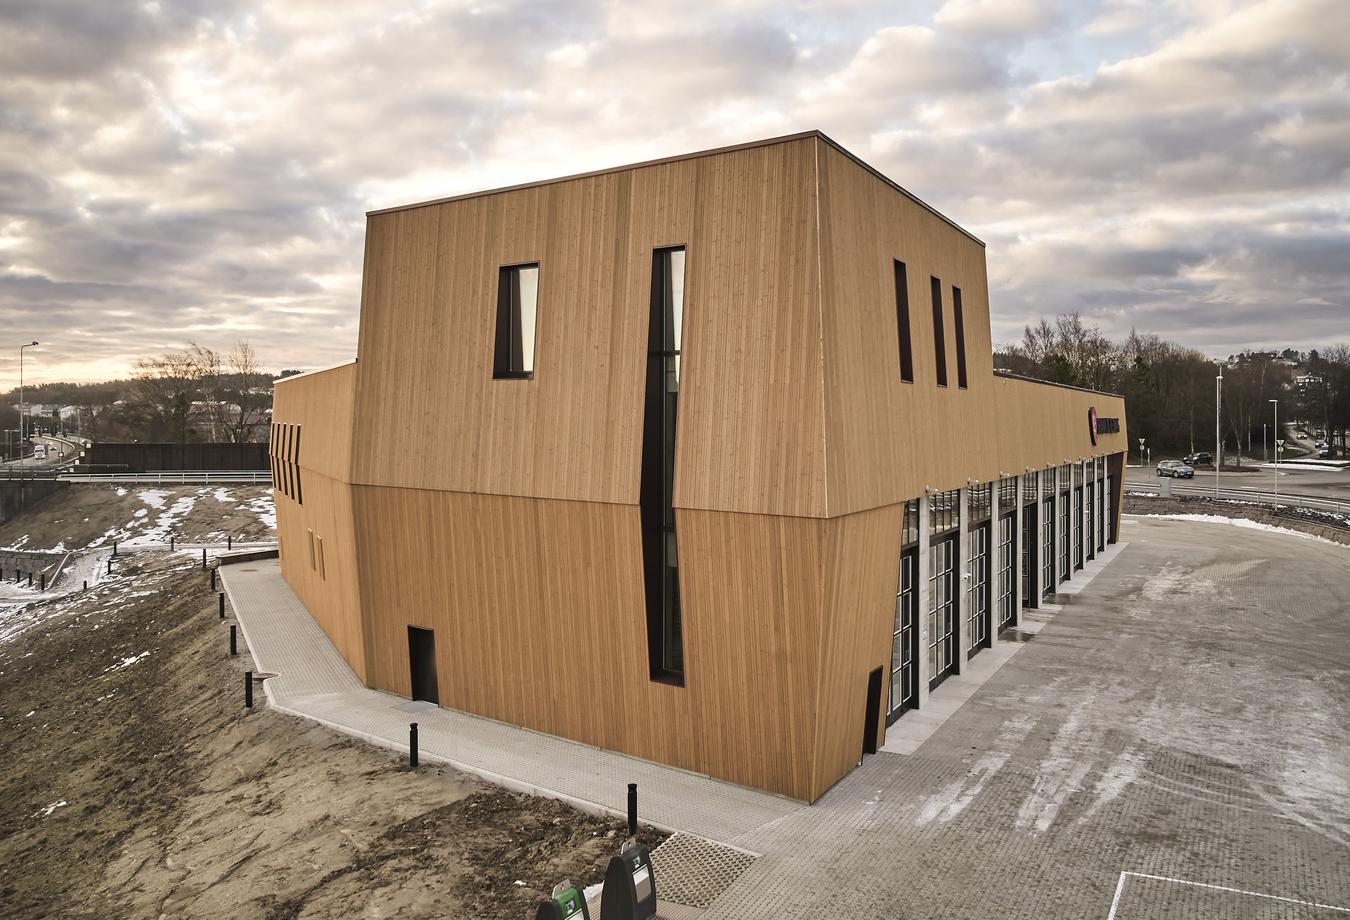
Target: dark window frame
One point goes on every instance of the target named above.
(959, 330)
(904, 330)
(665, 639)
(939, 333)
(509, 324)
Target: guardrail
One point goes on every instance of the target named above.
(173, 477)
(1321, 503)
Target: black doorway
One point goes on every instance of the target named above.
(873, 715)
(422, 664)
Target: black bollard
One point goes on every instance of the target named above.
(234, 646)
(229, 542)
(170, 544)
(114, 549)
(203, 557)
(42, 582)
(248, 689)
(632, 809)
(213, 579)
(110, 565)
(86, 586)
(30, 579)
(412, 745)
(220, 598)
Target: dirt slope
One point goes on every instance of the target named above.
(136, 785)
(82, 515)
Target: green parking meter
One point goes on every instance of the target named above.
(567, 901)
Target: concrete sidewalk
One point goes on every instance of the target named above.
(314, 681)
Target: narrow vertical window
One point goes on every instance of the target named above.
(902, 322)
(939, 334)
(517, 299)
(959, 326)
(665, 645)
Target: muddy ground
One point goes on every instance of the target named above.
(136, 785)
(81, 515)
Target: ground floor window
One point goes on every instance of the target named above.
(904, 641)
(1078, 527)
(1047, 546)
(943, 634)
(1092, 515)
(1064, 533)
(1007, 549)
(977, 597)
(1029, 555)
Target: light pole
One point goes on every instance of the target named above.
(1279, 445)
(1218, 421)
(22, 424)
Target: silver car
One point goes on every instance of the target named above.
(1176, 469)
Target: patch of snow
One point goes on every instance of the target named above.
(30, 712)
(266, 510)
(127, 662)
(222, 495)
(121, 490)
(47, 812)
(155, 498)
(140, 513)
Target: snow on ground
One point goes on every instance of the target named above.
(1241, 522)
(266, 510)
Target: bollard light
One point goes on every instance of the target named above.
(412, 745)
(220, 598)
(234, 642)
(248, 689)
(632, 809)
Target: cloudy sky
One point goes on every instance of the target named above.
(176, 170)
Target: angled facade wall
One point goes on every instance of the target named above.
(503, 514)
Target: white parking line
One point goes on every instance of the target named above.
(1120, 888)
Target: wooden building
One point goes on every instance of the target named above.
(703, 460)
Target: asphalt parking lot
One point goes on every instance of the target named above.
(1175, 743)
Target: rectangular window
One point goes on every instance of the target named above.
(323, 572)
(939, 334)
(517, 299)
(312, 564)
(656, 498)
(902, 322)
(959, 326)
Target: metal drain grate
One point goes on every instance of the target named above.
(692, 871)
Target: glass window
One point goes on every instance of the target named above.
(517, 300)
(665, 640)
(944, 509)
(959, 327)
(981, 503)
(902, 322)
(939, 334)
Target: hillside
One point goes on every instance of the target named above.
(82, 516)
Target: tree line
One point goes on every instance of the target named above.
(1169, 389)
(190, 395)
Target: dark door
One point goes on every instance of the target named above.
(904, 641)
(422, 664)
(873, 714)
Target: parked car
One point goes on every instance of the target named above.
(1320, 445)
(1198, 458)
(1176, 469)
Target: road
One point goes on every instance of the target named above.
(1329, 491)
(56, 446)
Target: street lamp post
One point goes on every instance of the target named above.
(22, 424)
(1279, 445)
(1218, 421)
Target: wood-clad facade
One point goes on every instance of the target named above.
(503, 514)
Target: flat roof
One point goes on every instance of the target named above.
(767, 142)
(1051, 383)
